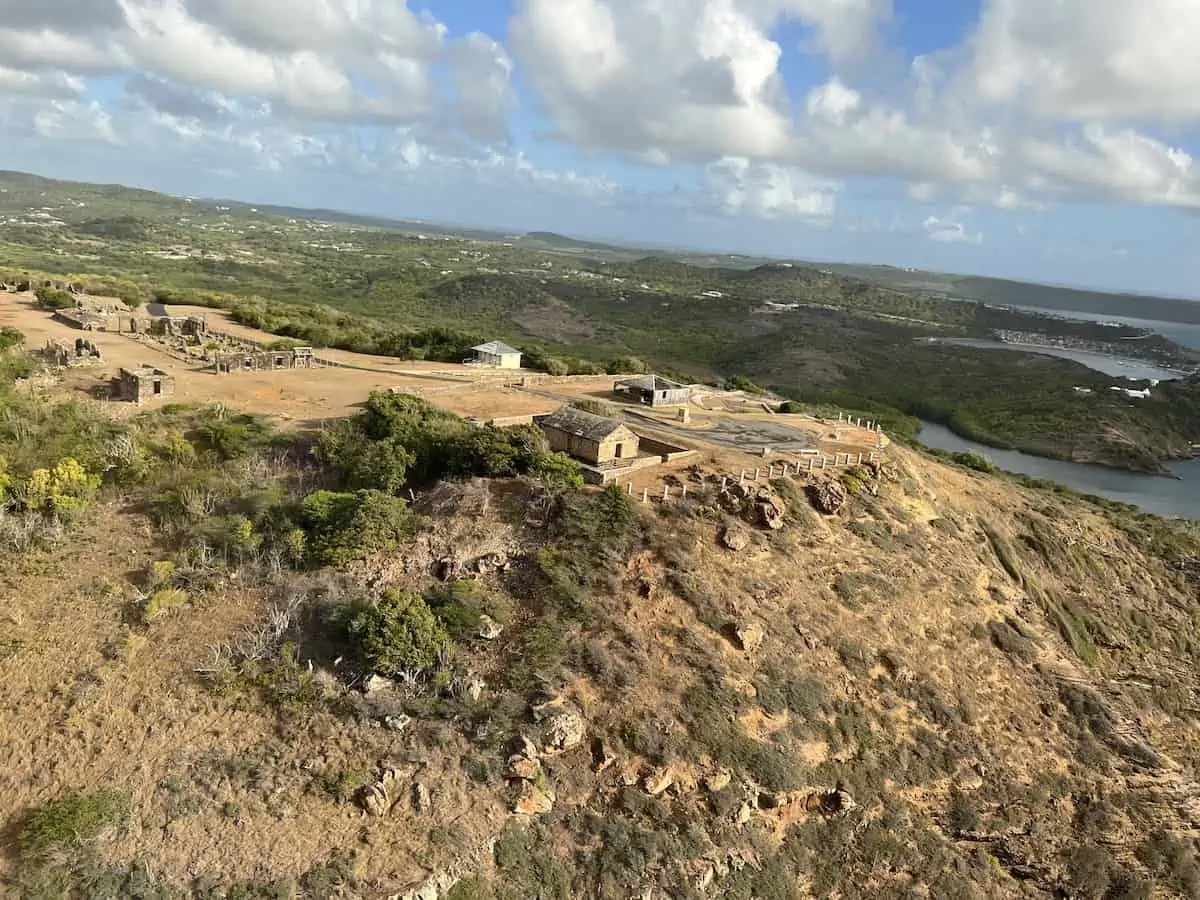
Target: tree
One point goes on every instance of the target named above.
(49, 297)
(399, 634)
(627, 365)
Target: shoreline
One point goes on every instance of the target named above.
(1164, 371)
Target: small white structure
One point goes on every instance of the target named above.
(496, 355)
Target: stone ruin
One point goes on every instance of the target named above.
(260, 360)
(60, 354)
(142, 384)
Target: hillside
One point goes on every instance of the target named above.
(1023, 293)
(814, 334)
(243, 661)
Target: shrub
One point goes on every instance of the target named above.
(627, 365)
(49, 297)
(9, 338)
(163, 600)
(344, 527)
(399, 634)
(232, 436)
(595, 407)
(973, 459)
(742, 383)
(62, 491)
(74, 820)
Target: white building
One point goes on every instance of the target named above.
(496, 355)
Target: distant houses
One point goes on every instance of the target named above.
(653, 390)
(495, 355)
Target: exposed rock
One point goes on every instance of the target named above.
(769, 510)
(718, 781)
(562, 726)
(533, 800)
(602, 756)
(489, 628)
(827, 497)
(396, 723)
(735, 539)
(489, 562)
(448, 568)
(420, 798)
(377, 799)
(376, 684)
(744, 813)
(833, 802)
(750, 636)
(475, 689)
(658, 781)
(523, 768)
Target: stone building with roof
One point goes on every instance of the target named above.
(593, 440)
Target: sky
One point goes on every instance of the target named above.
(1051, 140)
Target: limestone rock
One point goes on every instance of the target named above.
(750, 636)
(735, 539)
(420, 798)
(533, 800)
(831, 802)
(489, 628)
(448, 568)
(475, 689)
(376, 684)
(377, 799)
(827, 497)
(563, 727)
(603, 756)
(396, 723)
(744, 813)
(522, 768)
(769, 510)
(658, 781)
(718, 781)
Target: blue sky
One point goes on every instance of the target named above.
(1049, 141)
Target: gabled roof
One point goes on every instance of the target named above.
(583, 424)
(496, 348)
(651, 383)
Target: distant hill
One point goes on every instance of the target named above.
(1007, 292)
(549, 240)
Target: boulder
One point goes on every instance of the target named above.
(769, 510)
(827, 497)
(448, 568)
(376, 684)
(658, 781)
(377, 799)
(750, 636)
(533, 800)
(396, 723)
(420, 798)
(718, 780)
(522, 768)
(562, 726)
(735, 539)
(489, 628)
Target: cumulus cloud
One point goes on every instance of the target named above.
(769, 191)
(354, 61)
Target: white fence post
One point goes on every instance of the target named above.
(645, 495)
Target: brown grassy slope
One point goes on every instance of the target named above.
(1001, 679)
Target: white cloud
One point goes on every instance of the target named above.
(1090, 60)
(948, 232)
(691, 80)
(768, 191)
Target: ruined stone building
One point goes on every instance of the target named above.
(653, 390)
(142, 384)
(264, 360)
(592, 439)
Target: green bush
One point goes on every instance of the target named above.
(343, 527)
(742, 383)
(973, 459)
(9, 338)
(72, 821)
(49, 297)
(627, 365)
(399, 634)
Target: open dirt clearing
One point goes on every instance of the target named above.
(300, 395)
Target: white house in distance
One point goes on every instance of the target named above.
(496, 355)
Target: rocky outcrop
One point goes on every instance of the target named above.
(827, 497)
(562, 726)
(533, 800)
(735, 539)
(750, 636)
